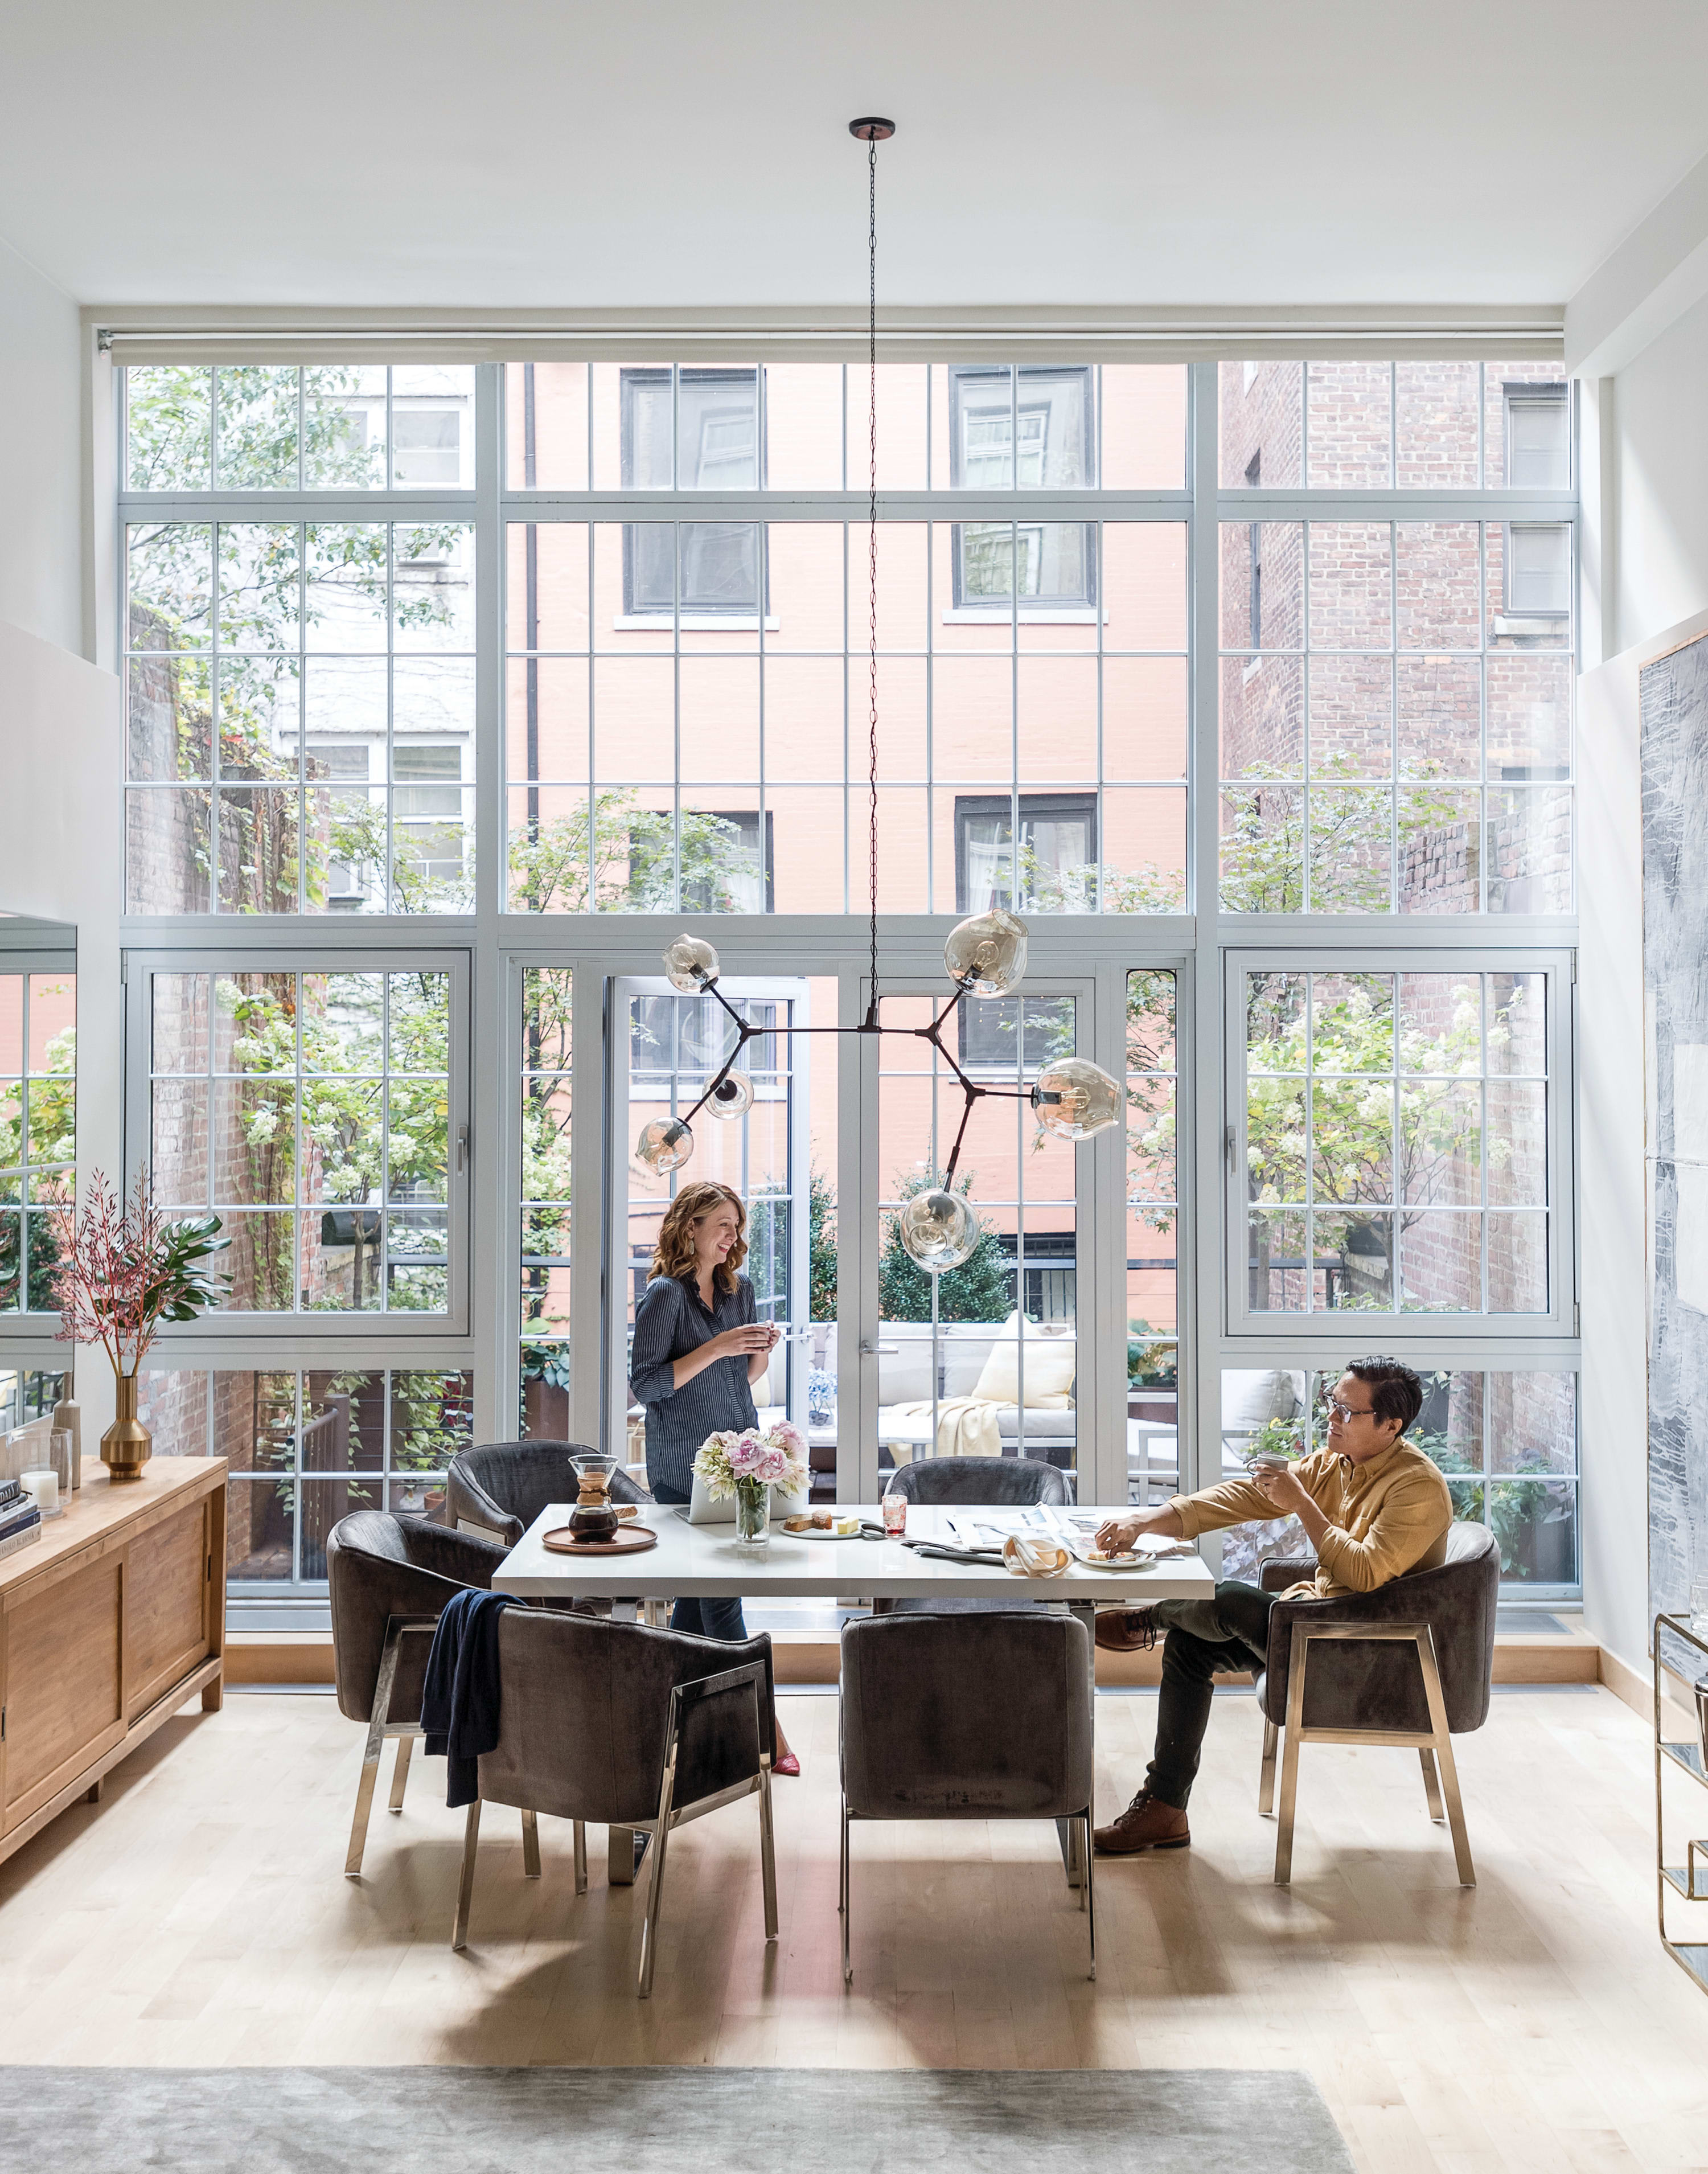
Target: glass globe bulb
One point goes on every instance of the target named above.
(1075, 1098)
(690, 965)
(664, 1145)
(986, 954)
(731, 1096)
(938, 1230)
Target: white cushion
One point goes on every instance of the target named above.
(1051, 1360)
(1253, 1396)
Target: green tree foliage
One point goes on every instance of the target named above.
(1387, 1116)
(981, 1289)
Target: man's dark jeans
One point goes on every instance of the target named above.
(1206, 1638)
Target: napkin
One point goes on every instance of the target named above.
(1028, 1558)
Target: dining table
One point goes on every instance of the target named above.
(705, 1562)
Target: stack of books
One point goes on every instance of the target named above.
(20, 1521)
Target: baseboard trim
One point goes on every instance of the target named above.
(815, 1657)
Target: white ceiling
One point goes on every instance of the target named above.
(423, 152)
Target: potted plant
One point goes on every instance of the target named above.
(124, 1270)
(1151, 1378)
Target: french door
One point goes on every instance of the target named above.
(879, 1362)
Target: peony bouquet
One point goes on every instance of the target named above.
(755, 1457)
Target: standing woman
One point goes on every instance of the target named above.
(698, 1348)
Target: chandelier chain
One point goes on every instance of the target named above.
(871, 547)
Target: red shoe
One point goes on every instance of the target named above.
(788, 1764)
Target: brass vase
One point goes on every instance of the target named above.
(126, 1445)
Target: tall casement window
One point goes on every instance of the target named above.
(452, 690)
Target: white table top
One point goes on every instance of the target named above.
(703, 1562)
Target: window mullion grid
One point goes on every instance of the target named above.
(1306, 887)
(302, 435)
(1015, 903)
(1394, 892)
(1310, 1143)
(1099, 560)
(1484, 823)
(592, 535)
(675, 688)
(930, 897)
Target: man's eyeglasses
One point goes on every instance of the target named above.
(1338, 1410)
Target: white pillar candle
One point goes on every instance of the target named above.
(44, 1485)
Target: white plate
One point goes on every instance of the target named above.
(817, 1533)
(1135, 1561)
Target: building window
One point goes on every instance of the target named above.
(1054, 866)
(691, 430)
(1538, 436)
(723, 869)
(1254, 539)
(1030, 429)
(1056, 862)
(1538, 569)
(427, 446)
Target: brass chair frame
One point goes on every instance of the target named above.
(670, 1816)
(381, 1725)
(1433, 1745)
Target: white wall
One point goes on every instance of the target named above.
(1661, 482)
(1612, 1129)
(40, 457)
(61, 848)
(1647, 536)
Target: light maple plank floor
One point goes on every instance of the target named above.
(199, 1917)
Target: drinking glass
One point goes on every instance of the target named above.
(894, 1509)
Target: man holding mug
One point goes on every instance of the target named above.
(1372, 1506)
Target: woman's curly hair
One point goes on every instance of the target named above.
(674, 1254)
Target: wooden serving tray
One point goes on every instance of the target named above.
(627, 1540)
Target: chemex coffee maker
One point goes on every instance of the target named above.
(593, 1517)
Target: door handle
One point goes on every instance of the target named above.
(878, 1350)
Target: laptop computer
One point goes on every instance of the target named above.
(703, 1509)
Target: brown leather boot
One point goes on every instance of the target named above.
(1127, 1630)
(1146, 1823)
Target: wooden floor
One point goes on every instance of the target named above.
(199, 1917)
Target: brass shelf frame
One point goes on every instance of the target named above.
(1688, 1882)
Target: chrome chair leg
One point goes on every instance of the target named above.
(1431, 1787)
(1265, 1772)
(400, 1772)
(768, 1857)
(531, 1845)
(1090, 1894)
(846, 1905)
(580, 1857)
(660, 1838)
(465, 1884)
(371, 1749)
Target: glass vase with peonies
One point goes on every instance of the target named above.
(748, 1463)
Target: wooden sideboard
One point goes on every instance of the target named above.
(108, 1623)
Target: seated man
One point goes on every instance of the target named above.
(1372, 1506)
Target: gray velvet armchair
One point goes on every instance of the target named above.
(500, 1488)
(1408, 1665)
(973, 1483)
(391, 1578)
(966, 1717)
(629, 1728)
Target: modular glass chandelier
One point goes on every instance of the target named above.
(985, 956)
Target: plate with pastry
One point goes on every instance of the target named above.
(823, 1525)
(1094, 1558)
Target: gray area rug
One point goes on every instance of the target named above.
(615, 2121)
